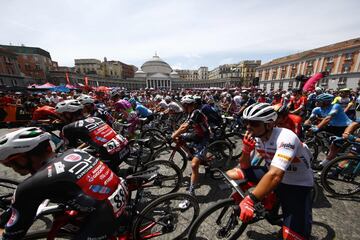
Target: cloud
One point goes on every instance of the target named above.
(188, 32)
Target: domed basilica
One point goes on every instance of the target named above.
(156, 73)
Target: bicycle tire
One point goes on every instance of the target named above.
(161, 183)
(180, 161)
(332, 171)
(132, 159)
(219, 154)
(156, 208)
(157, 139)
(222, 205)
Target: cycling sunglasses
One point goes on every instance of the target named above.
(253, 123)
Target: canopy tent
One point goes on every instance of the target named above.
(102, 89)
(46, 85)
(61, 88)
(71, 87)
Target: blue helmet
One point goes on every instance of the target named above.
(325, 97)
(132, 101)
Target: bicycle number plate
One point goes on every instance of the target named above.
(114, 144)
(118, 199)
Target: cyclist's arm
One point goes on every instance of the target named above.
(182, 129)
(268, 182)
(351, 103)
(350, 129)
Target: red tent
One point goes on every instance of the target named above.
(102, 89)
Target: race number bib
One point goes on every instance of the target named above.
(119, 198)
(115, 144)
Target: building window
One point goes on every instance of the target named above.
(346, 68)
(272, 85)
(37, 67)
(281, 85)
(342, 82)
(324, 82)
(348, 57)
(274, 73)
(290, 86)
(265, 85)
(330, 59)
(27, 67)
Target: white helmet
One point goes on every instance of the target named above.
(263, 112)
(167, 98)
(21, 141)
(188, 99)
(157, 98)
(68, 106)
(85, 99)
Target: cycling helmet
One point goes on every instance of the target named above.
(114, 93)
(157, 98)
(85, 99)
(68, 106)
(132, 101)
(263, 112)
(122, 105)
(319, 89)
(188, 99)
(281, 108)
(21, 141)
(325, 97)
(168, 99)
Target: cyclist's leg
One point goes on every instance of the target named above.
(296, 205)
(100, 224)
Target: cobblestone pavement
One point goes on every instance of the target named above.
(333, 218)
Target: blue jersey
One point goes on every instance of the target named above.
(339, 118)
(142, 111)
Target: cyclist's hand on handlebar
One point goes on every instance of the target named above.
(246, 209)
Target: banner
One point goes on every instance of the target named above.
(67, 78)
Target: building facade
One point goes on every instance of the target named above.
(33, 62)
(88, 66)
(341, 60)
(247, 71)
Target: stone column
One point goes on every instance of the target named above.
(357, 63)
(321, 64)
(337, 64)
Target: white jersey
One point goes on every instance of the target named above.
(285, 151)
(175, 107)
(163, 105)
(237, 99)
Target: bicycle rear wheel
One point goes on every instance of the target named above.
(157, 139)
(177, 156)
(341, 176)
(163, 219)
(7, 189)
(220, 221)
(219, 155)
(167, 179)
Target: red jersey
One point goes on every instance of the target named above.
(292, 122)
(44, 113)
(297, 102)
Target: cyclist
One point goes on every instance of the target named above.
(141, 110)
(73, 178)
(287, 171)
(288, 120)
(128, 114)
(91, 109)
(332, 117)
(174, 110)
(195, 130)
(298, 102)
(347, 102)
(111, 147)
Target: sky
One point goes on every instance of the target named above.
(187, 34)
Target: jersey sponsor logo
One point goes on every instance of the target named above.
(90, 120)
(287, 146)
(59, 167)
(81, 168)
(74, 157)
(13, 219)
(285, 157)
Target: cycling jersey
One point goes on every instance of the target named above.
(292, 122)
(95, 132)
(214, 118)
(285, 151)
(76, 179)
(339, 118)
(198, 122)
(298, 102)
(143, 111)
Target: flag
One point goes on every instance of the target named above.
(67, 78)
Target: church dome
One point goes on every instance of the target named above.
(156, 65)
(140, 73)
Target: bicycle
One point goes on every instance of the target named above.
(341, 176)
(221, 220)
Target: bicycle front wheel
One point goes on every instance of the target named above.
(163, 219)
(341, 176)
(220, 221)
(166, 179)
